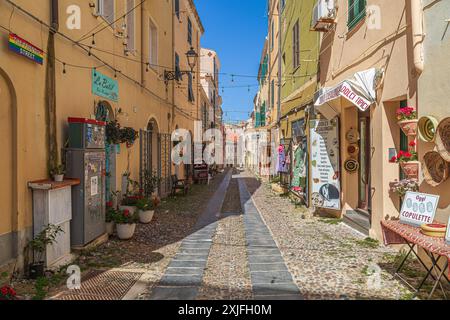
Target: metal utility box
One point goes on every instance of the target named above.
(86, 133)
(88, 198)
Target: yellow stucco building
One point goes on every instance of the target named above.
(129, 42)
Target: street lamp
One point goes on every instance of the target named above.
(192, 57)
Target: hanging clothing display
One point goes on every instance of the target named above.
(281, 163)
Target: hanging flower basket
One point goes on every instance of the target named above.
(411, 169)
(435, 168)
(443, 139)
(407, 120)
(409, 127)
(427, 127)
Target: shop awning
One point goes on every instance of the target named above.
(359, 90)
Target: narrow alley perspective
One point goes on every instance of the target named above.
(216, 159)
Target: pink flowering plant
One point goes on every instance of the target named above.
(403, 186)
(406, 113)
(125, 217)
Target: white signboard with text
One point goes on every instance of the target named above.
(418, 208)
(325, 165)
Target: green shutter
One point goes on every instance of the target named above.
(356, 12)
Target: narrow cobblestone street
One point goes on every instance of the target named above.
(244, 242)
(261, 249)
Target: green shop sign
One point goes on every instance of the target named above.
(104, 86)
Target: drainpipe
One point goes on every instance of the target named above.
(142, 46)
(417, 34)
(50, 88)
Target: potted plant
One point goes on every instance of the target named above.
(39, 245)
(132, 194)
(407, 120)
(150, 183)
(146, 210)
(408, 161)
(404, 186)
(110, 213)
(58, 173)
(7, 293)
(125, 224)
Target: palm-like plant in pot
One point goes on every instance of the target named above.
(57, 172)
(39, 246)
(125, 223)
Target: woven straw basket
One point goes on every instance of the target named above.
(443, 139)
(435, 168)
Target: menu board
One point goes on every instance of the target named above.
(325, 165)
(418, 208)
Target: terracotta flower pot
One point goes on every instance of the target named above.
(411, 169)
(125, 231)
(409, 127)
(146, 217)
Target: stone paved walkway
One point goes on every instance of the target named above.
(184, 274)
(271, 279)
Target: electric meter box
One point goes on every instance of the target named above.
(86, 133)
(89, 197)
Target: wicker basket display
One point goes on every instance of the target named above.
(427, 128)
(435, 168)
(443, 139)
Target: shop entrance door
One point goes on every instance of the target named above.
(364, 162)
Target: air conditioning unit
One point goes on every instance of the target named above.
(324, 15)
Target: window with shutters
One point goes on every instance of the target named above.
(177, 68)
(189, 31)
(131, 22)
(105, 9)
(153, 44)
(190, 89)
(296, 45)
(356, 12)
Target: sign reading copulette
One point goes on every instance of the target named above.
(418, 208)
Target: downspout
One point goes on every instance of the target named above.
(50, 88)
(142, 46)
(417, 34)
(279, 63)
(172, 118)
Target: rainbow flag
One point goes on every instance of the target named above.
(26, 49)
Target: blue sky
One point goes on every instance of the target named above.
(236, 30)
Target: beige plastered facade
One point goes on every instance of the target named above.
(143, 95)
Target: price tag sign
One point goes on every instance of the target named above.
(418, 208)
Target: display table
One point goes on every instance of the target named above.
(52, 204)
(436, 249)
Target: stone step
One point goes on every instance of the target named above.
(357, 220)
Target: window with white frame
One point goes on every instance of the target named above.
(106, 9)
(153, 44)
(131, 22)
